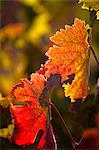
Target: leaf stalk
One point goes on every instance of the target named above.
(54, 108)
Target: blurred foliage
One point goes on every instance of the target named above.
(5, 101)
(24, 30)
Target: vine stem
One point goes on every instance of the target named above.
(91, 22)
(95, 56)
(49, 110)
(54, 108)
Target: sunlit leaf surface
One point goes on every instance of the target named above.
(70, 55)
(29, 118)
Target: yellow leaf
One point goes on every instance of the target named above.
(79, 86)
(94, 4)
(7, 132)
(97, 15)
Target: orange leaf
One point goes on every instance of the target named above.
(26, 90)
(23, 91)
(69, 56)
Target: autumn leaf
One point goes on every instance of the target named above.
(26, 90)
(70, 56)
(94, 4)
(79, 86)
(28, 119)
(23, 91)
(7, 132)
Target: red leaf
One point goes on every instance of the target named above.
(28, 120)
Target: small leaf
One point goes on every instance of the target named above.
(97, 15)
(7, 132)
(94, 4)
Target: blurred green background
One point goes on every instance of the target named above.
(25, 28)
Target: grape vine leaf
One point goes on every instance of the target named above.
(94, 4)
(23, 91)
(31, 117)
(28, 119)
(70, 56)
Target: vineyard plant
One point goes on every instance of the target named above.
(49, 87)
